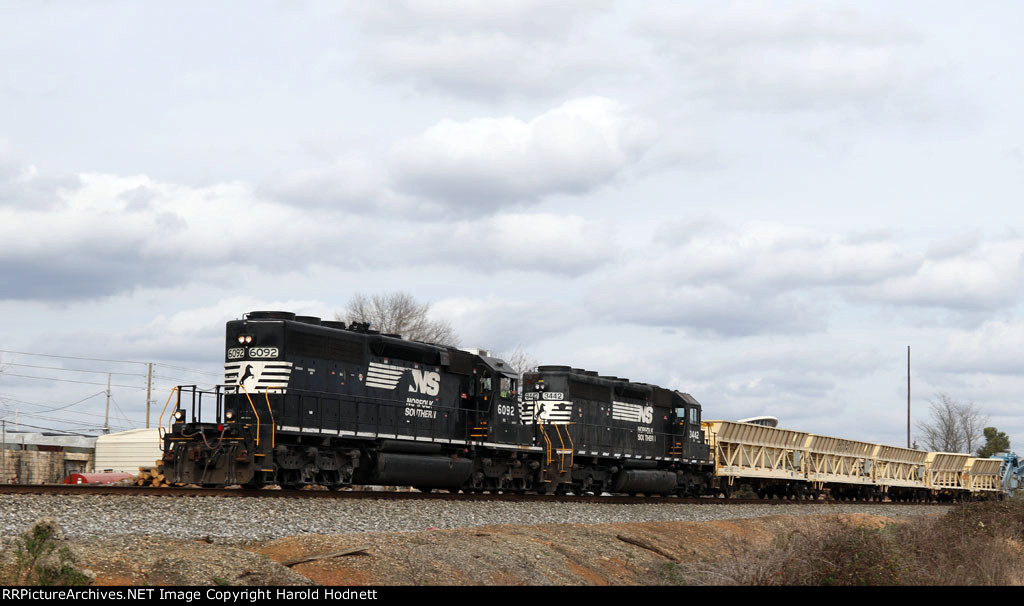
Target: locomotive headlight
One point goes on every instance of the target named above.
(241, 339)
(248, 339)
(179, 415)
(229, 415)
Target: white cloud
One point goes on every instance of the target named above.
(765, 277)
(995, 347)
(486, 66)
(539, 242)
(24, 185)
(766, 23)
(114, 234)
(984, 277)
(504, 323)
(481, 164)
(706, 308)
(528, 18)
(197, 333)
(484, 50)
(111, 234)
(794, 56)
(351, 182)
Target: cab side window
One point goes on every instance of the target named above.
(508, 387)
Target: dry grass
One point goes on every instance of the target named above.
(975, 544)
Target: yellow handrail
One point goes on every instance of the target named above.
(254, 412)
(273, 428)
(547, 441)
(160, 420)
(572, 445)
(561, 451)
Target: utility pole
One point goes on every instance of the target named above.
(106, 414)
(908, 396)
(149, 387)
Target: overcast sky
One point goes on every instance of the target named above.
(759, 203)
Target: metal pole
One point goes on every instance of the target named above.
(106, 414)
(908, 396)
(3, 465)
(149, 386)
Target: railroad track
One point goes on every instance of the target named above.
(107, 490)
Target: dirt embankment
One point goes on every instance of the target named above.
(561, 554)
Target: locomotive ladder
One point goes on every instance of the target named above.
(564, 454)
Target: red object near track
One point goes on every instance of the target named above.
(97, 478)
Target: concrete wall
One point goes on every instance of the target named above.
(41, 467)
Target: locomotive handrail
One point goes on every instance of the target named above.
(572, 447)
(561, 453)
(160, 420)
(547, 441)
(273, 427)
(253, 411)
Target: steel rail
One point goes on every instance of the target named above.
(165, 491)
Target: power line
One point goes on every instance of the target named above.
(52, 429)
(99, 372)
(6, 396)
(195, 370)
(180, 381)
(67, 422)
(37, 413)
(26, 353)
(11, 374)
(118, 409)
(58, 407)
(62, 419)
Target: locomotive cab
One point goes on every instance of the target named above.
(689, 442)
(495, 402)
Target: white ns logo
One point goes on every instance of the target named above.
(425, 382)
(647, 416)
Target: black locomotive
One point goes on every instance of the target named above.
(311, 402)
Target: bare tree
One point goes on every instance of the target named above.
(399, 313)
(954, 426)
(519, 361)
(972, 424)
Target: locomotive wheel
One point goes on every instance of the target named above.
(256, 482)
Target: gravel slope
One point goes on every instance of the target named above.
(646, 553)
(232, 519)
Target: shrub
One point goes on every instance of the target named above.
(974, 544)
(39, 559)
